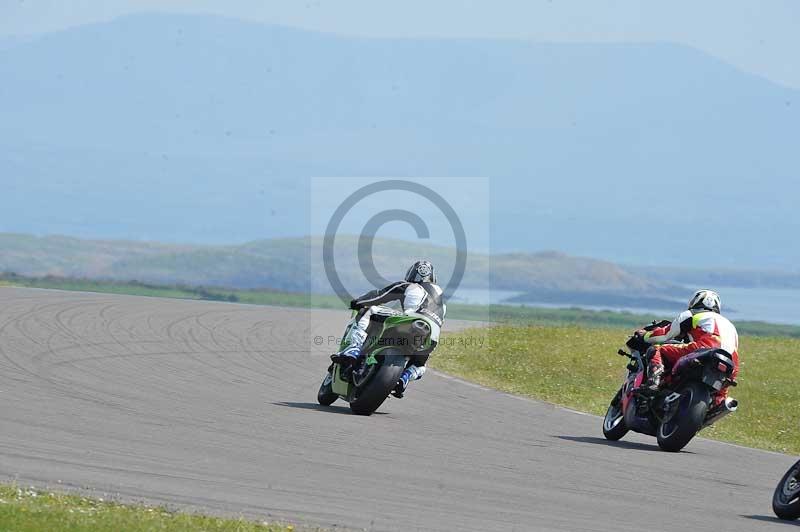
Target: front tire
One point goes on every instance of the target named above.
(375, 392)
(614, 426)
(676, 432)
(786, 499)
(325, 395)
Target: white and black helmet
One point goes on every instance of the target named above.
(705, 299)
(421, 272)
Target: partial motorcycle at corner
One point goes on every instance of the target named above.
(786, 498)
(691, 398)
(386, 354)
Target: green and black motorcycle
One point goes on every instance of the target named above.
(387, 351)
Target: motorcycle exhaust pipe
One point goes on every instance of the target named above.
(730, 405)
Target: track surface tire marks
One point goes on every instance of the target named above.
(211, 406)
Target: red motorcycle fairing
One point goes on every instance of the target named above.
(627, 394)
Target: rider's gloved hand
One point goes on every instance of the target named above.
(353, 304)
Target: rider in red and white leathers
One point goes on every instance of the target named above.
(703, 326)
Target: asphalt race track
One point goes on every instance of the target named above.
(212, 406)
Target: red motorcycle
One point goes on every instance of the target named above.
(688, 401)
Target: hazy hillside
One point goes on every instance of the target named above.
(295, 265)
(204, 129)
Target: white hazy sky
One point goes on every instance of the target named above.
(761, 37)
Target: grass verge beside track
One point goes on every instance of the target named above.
(578, 367)
(24, 510)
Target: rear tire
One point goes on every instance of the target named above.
(325, 395)
(675, 433)
(375, 392)
(614, 426)
(786, 499)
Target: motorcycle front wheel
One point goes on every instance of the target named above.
(786, 499)
(325, 395)
(614, 426)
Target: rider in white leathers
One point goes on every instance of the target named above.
(418, 293)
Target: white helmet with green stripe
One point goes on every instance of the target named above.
(705, 299)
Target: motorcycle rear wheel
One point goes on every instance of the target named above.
(369, 398)
(676, 432)
(614, 426)
(786, 499)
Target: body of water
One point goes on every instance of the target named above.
(761, 304)
(481, 296)
(743, 304)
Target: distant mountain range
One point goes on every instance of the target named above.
(205, 129)
(295, 265)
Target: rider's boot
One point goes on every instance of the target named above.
(655, 372)
(347, 356)
(350, 354)
(402, 384)
(411, 373)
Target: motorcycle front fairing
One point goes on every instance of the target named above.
(636, 418)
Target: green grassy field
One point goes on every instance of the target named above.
(578, 367)
(30, 510)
